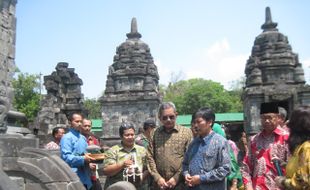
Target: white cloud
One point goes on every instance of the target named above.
(163, 71)
(216, 62)
(219, 64)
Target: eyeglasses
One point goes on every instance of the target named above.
(171, 117)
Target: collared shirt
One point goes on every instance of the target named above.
(52, 146)
(166, 151)
(118, 154)
(142, 140)
(209, 158)
(298, 168)
(92, 140)
(73, 146)
(258, 168)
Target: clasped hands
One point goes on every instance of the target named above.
(192, 181)
(163, 184)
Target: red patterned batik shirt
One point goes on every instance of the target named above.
(258, 167)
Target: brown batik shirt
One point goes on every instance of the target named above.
(166, 151)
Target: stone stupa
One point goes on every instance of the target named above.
(132, 92)
(273, 74)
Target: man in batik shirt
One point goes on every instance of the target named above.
(166, 150)
(207, 161)
(57, 133)
(259, 168)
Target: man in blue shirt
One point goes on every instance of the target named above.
(73, 148)
(207, 161)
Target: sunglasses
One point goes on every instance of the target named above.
(171, 117)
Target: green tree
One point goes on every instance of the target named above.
(236, 90)
(27, 94)
(94, 108)
(190, 95)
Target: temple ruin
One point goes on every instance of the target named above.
(63, 97)
(23, 166)
(273, 74)
(7, 58)
(131, 92)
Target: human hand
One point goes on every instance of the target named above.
(162, 183)
(92, 166)
(195, 180)
(127, 163)
(171, 183)
(188, 179)
(88, 158)
(279, 181)
(234, 184)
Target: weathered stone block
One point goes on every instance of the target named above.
(19, 181)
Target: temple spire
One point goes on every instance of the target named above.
(134, 30)
(269, 25)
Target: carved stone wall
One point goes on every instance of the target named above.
(63, 97)
(7, 57)
(273, 74)
(25, 167)
(131, 92)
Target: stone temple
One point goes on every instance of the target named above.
(132, 92)
(23, 166)
(273, 74)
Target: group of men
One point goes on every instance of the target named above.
(176, 161)
(73, 146)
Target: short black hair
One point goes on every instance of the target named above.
(124, 126)
(149, 123)
(206, 113)
(56, 129)
(70, 117)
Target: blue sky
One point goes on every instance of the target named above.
(197, 38)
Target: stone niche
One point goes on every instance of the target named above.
(131, 92)
(273, 74)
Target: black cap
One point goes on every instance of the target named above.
(270, 107)
(149, 123)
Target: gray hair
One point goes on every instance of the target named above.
(282, 112)
(166, 105)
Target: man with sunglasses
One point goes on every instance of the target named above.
(168, 144)
(268, 149)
